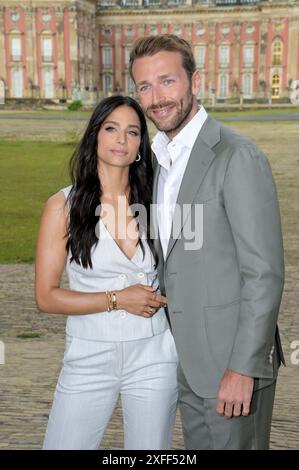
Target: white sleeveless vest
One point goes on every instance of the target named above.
(112, 270)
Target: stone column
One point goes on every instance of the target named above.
(236, 56)
(2, 46)
(211, 68)
(117, 57)
(31, 54)
(262, 72)
(74, 53)
(60, 47)
(293, 50)
(96, 55)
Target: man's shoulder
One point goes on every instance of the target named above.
(230, 141)
(221, 138)
(233, 139)
(232, 146)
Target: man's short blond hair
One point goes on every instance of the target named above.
(151, 45)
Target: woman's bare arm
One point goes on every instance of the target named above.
(50, 262)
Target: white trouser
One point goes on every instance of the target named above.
(143, 372)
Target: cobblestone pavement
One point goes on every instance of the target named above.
(28, 377)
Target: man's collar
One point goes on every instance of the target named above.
(185, 138)
(193, 127)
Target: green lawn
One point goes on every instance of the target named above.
(29, 173)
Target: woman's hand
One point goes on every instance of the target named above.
(140, 300)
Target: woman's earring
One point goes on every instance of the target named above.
(138, 157)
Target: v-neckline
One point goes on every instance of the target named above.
(117, 245)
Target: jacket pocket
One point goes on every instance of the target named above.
(232, 302)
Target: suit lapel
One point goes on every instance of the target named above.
(200, 159)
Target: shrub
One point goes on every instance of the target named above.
(75, 105)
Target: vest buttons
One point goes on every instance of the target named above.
(123, 314)
(122, 276)
(141, 275)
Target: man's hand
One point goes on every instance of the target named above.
(235, 394)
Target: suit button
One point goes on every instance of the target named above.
(141, 275)
(122, 276)
(123, 314)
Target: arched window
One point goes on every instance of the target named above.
(81, 47)
(15, 46)
(17, 82)
(200, 52)
(247, 86)
(276, 86)
(277, 52)
(48, 83)
(107, 56)
(107, 83)
(223, 85)
(47, 46)
(248, 55)
(224, 56)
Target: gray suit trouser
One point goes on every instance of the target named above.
(204, 429)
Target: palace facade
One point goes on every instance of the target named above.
(48, 49)
(60, 50)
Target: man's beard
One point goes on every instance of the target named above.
(177, 122)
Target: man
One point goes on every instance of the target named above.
(224, 289)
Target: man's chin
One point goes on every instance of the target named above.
(170, 127)
(161, 126)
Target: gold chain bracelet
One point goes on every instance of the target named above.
(111, 301)
(114, 305)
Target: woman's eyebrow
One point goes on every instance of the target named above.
(118, 124)
(134, 125)
(112, 122)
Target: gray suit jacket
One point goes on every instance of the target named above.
(224, 297)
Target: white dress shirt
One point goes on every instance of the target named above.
(173, 156)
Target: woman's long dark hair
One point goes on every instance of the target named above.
(85, 195)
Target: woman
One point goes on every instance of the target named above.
(118, 341)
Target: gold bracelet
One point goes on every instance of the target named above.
(114, 304)
(111, 301)
(108, 301)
